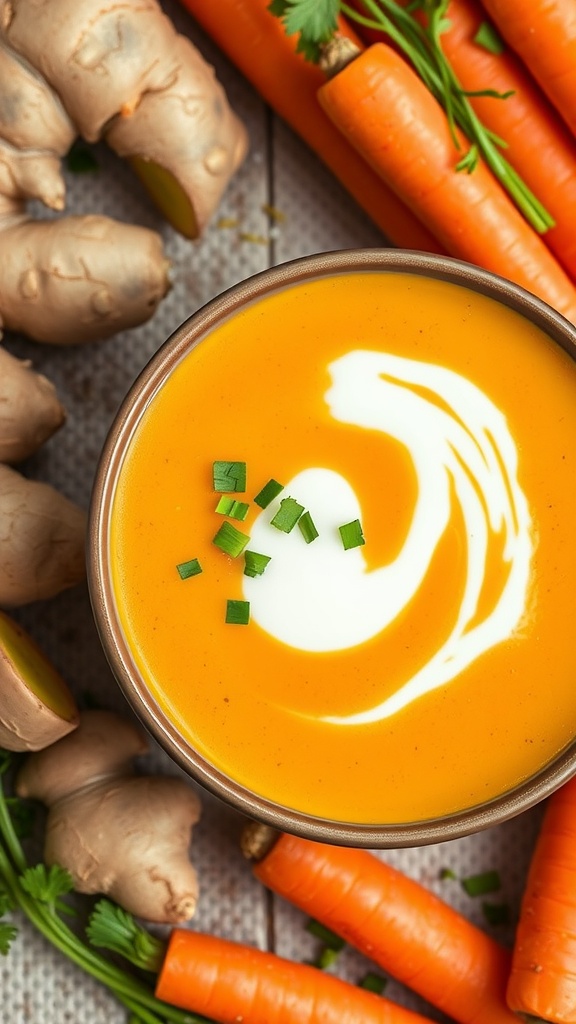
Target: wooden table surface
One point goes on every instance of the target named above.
(37, 986)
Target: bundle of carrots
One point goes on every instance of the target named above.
(453, 131)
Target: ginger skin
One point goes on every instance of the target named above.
(30, 411)
(42, 537)
(123, 74)
(36, 707)
(116, 833)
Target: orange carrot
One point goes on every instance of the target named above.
(256, 42)
(542, 982)
(229, 982)
(386, 112)
(539, 145)
(407, 930)
(543, 33)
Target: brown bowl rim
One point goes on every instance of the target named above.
(187, 335)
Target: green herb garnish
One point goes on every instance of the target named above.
(447, 874)
(496, 913)
(307, 527)
(235, 509)
(479, 885)
(229, 476)
(188, 569)
(270, 491)
(351, 534)
(238, 613)
(373, 982)
(81, 160)
(329, 938)
(230, 540)
(488, 38)
(255, 563)
(287, 515)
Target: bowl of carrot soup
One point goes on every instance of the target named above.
(332, 551)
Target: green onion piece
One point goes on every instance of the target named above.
(373, 982)
(270, 491)
(230, 540)
(307, 527)
(254, 563)
(234, 509)
(447, 874)
(488, 38)
(328, 937)
(238, 613)
(326, 958)
(496, 913)
(188, 569)
(478, 885)
(287, 515)
(351, 534)
(229, 476)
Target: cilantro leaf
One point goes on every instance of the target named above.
(314, 21)
(8, 933)
(46, 884)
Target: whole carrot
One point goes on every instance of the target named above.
(229, 982)
(542, 982)
(538, 144)
(407, 930)
(543, 33)
(385, 111)
(255, 41)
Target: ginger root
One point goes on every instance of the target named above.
(30, 411)
(42, 537)
(36, 706)
(121, 73)
(116, 833)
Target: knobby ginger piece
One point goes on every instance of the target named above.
(116, 833)
(35, 133)
(36, 706)
(184, 142)
(123, 73)
(78, 279)
(30, 411)
(42, 540)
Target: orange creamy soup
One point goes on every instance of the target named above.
(421, 673)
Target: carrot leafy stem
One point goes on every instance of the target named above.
(315, 23)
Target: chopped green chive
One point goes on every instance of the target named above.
(254, 563)
(230, 540)
(478, 885)
(328, 937)
(447, 874)
(229, 476)
(234, 509)
(496, 913)
(270, 491)
(488, 38)
(373, 982)
(238, 613)
(287, 515)
(307, 527)
(188, 569)
(351, 534)
(326, 958)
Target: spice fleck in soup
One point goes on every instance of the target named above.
(415, 657)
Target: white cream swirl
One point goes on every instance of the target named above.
(319, 597)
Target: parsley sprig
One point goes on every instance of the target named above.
(315, 22)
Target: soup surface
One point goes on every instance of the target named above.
(424, 671)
